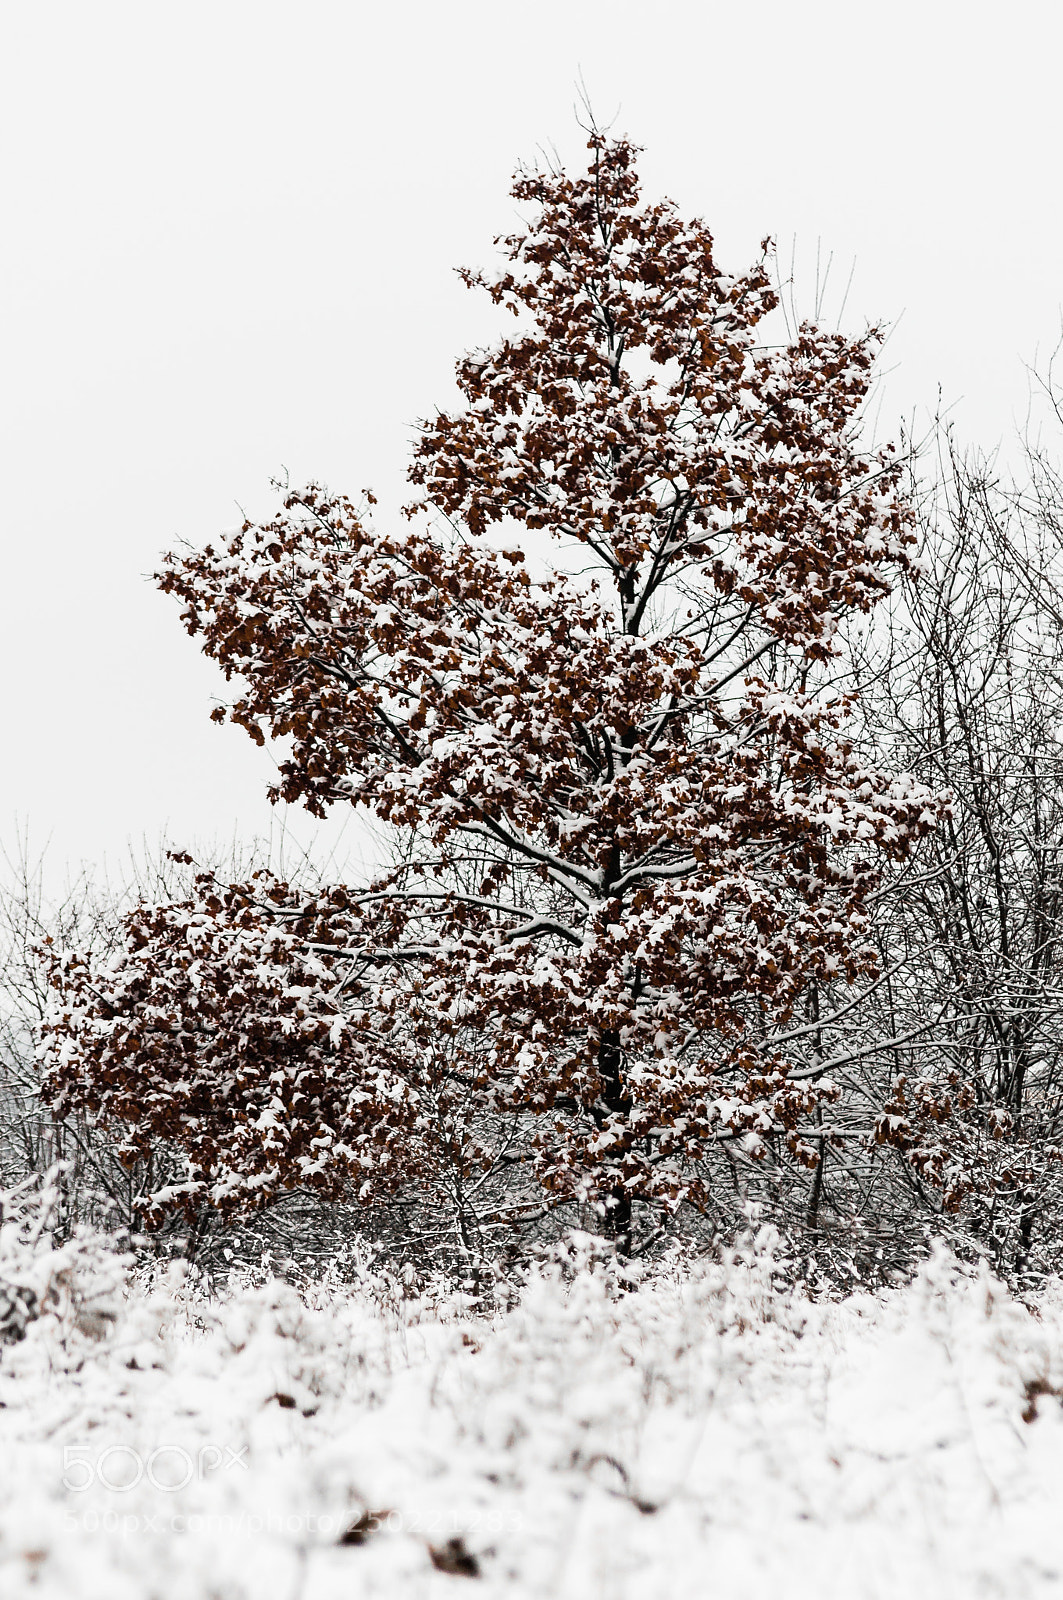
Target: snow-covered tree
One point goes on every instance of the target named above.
(966, 678)
(637, 833)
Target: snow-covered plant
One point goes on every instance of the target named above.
(76, 1283)
(638, 833)
(234, 1035)
(963, 675)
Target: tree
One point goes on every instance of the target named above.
(637, 831)
(967, 682)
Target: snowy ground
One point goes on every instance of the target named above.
(703, 1435)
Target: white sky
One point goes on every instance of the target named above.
(229, 230)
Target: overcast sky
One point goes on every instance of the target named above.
(229, 233)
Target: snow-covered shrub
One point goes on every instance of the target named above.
(600, 1361)
(75, 1285)
(700, 1429)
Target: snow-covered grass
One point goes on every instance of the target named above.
(706, 1433)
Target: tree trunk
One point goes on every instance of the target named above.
(617, 1201)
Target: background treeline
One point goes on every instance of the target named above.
(949, 1115)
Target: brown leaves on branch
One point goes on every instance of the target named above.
(219, 1029)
